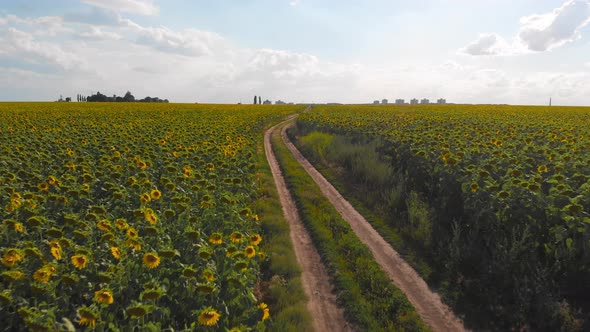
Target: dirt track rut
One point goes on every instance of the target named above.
(326, 314)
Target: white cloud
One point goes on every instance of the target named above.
(548, 31)
(488, 44)
(189, 42)
(23, 46)
(142, 7)
(42, 26)
(97, 33)
(94, 16)
(295, 3)
(537, 33)
(283, 64)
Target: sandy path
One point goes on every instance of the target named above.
(428, 304)
(326, 314)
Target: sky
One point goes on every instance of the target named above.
(347, 51)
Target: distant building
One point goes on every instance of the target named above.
(441, 101)
(376, 102)
(267, 102)
(280, 102)
(385, 102)
(425, 101)
(414, 101)
(399, 102)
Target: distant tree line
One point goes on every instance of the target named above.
(128, 97)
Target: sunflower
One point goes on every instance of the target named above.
(116, 252)
(6, 296)
(250, 252)
(208, 317)
(265, 311)
(104, 225)
(43, 186)
(138, 310)
(204, 252)
(474, 187)
(80, 261)
(132, 243)
(55, 244)
(42, 275)
(236, 237)
(104, 296)
(56, 253)
(87, 317)
(230, 251)
(11, 257)
(152, 294)
(151, 260)
(542, 169)
(121, 224)
(132, 233)
(156, 194)
(208, 275)
(144, 198)
(255, 239)
(216, 239)
(151, 217)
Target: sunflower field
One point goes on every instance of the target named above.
(130, 217)
(496, 200)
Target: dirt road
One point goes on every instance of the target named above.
(327, 316)
(428, 304)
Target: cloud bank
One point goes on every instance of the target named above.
(537, 33)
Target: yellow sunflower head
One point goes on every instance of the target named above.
(265, 311)
(155, 194)
(18, 227)
(236, 237)
(151, 217)
(104, 225)
(151, 260)
(104, 296)
(133, 243)
(144, 198)
(42, 275)
(87, 317)
(250, 251)
(121, 224)
(216, 238)
(132, 233)
(80, 261)
(208, 317)
(116, 252)
(11, 257)
(56, 253)
(255, 239)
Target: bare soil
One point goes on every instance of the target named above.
(428, 304)
(326, 314)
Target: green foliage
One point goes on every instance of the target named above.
(131, 217)
(499, 194)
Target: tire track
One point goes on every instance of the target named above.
(326, 314)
